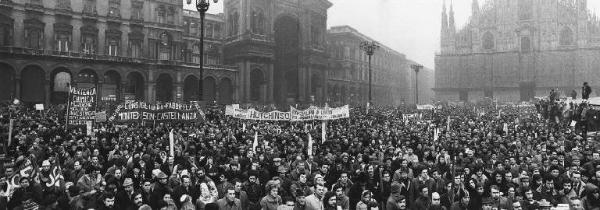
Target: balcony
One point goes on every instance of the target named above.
(36, 4)
(89, 10)
(249, 36)
(64, 5)
(105, 58)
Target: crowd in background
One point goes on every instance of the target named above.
(453, 157)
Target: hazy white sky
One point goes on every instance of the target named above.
(411, 27)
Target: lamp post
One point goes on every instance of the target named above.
(417, 68)
(369, 48)
(202, 7)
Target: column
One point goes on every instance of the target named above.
(99, 89)
(150, 95)
(270, 81)
(308, 88)
(246, 81)
(48, 32)
(302, 83)
(75, 47)
(121, 92)
(48, 91)
(178, 90)
(125, 41)
(17, 87)
(101, 37)
(19, 28)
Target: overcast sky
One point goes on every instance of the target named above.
(411, 27)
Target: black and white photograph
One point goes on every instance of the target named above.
(300, 104)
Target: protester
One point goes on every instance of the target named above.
(457, 156)
(586, 90)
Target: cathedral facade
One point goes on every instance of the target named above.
(514, 50)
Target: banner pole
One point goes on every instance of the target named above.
(68, 108)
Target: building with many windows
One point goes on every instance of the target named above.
(128, 49)
(348, 75)
(257, 51)
(515, 50)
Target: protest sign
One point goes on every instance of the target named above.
(81, 104)
(141, 111)
(312, 113)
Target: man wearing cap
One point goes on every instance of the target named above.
(124, 197)
(160, 188)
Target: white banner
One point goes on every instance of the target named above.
(425, 107)
(312, 113)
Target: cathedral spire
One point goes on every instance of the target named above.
(444, 30)
(444, 18)
(475, 8)
(451, 18)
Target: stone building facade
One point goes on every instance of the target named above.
(279, 49)
(257, 51)
(128, 49)
(348, 75)
(515, 50)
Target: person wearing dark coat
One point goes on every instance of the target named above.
(185, 189)
(124, 197)
(355, 192)
(160, 189)
(395, 197)
(586, 90)
(26, 195)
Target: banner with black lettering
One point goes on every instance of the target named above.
(81, 105)
(312, 113)
(142, 111)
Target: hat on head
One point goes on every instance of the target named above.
(46, 163)
(161, 175)
(127, 182)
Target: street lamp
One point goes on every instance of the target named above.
(369, 48)
(417, 68)
(202, 7)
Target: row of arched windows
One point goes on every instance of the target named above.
(566, 38)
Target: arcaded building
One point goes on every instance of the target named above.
(128, 49)
(513, 50)
(257, 51)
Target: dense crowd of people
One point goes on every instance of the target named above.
(453, 158)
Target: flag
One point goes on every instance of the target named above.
(436, 133)
(10, 130)
(368, 105)
(56, 177)
(310, 144)
(505, 129)
(88, 128)
(244, 127)
(255, 143)
(171, 144)
(323, 131)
